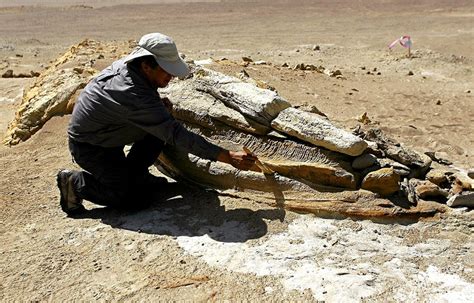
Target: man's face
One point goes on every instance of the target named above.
(158, 77)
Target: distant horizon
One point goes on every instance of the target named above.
(93, 3)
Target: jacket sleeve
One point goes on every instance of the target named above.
(156, 120)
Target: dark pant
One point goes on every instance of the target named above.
(112, 179)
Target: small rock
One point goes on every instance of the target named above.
(284, 65)
(362, 68)
(34, 74)
(335, 73)
(407, 187)
(463, 199)
(243, 74)
(364, 161)
(374, 149)
(100, 56)
(8, 74)
(464, 180)
(260, 62)
(316, 48)
(410, 73)
(468, 91)
(383, 181)
(19, 55)
(364, 119)
(426, 189)
(23, 75)
(470, 173)
(438, 177)
(310, 108)
(400, 169)
(438, 102)
(435, 158)
(247, 59)
(78, 70)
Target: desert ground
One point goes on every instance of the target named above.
(196, 245)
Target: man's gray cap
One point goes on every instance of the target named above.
(165, 52)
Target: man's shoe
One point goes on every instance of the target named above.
(70, 203)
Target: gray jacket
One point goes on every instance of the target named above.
(119, 107)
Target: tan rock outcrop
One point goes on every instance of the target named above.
(383, 181)
(312, 128)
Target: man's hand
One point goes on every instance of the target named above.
(167, 103)
(238, 159)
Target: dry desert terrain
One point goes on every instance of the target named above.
(196, 245)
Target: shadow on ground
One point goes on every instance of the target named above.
(181, 210)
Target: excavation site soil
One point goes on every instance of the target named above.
(194, 244)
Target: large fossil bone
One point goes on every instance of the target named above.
(316, 165)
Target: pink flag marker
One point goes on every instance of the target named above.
(404, 41)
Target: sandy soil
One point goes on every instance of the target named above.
(197, 245)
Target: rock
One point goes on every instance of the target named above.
(58, 86)
(426, 189)
(23, 75)
(256, 104)
(419, 171)
(463, 180)
(374, 149)
(52, 91)
(470, 173)
(8, 74)
(462, 199)
(299, 66)
(364, 119)
(407, 187)
(396, 151)
(364, 161)
(243, 75)
(438, 177)
(383, 181)
(201, 108)
(400, 169)
(260, 62)
(247, 59)
(335, 73)
(316, 48)
(284, 65)
(312, 128)
(410, 73)
(310, 109)
(437, 159)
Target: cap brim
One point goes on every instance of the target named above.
(137, 53)
(177, 68)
